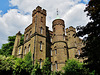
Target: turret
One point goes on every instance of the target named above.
(16, 44)
(58, 30)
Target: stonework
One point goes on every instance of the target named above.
(43, 43)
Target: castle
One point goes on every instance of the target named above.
(43, 43)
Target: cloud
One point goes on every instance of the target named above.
(76, 16)
(72, 11)
(11, 23)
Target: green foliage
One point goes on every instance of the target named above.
(74, 67)
(23, 65)
(46, 67)
(92, 29)
(6, 64)
(36, 70)
(7, 48)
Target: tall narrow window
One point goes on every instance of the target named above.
(19, 50)
(55, 51)
(25, 49)
(50, 39)
(30, 33)
(29, 47)
(79, 52)
(53, 29)
(40, 45)
(26, 36)
(41, 30)
(56, 65)
(41, 19)
(40, 63)
(63, 36)
(51, 51)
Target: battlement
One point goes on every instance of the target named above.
(58, 22)
(40, 10)
(70, 29)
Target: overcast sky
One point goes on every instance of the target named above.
(15, 15)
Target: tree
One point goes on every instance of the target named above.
(6, 65)
(7, 48)
(36, 70)
(46, 67)
(74, 67)
(92, 42)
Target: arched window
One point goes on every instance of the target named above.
(53, 29)
(51, 51)
(63, 36)
(40, 45)
(41, 19)
(55, 51)
(29, 47)
(26, 36)
(79, 52)
(40, 63)
(30, 33)
(41, 30)
(56, 65)
(25, 49)
(50, 39)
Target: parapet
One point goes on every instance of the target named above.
(58, 22)
(40, 10)
(71, 28)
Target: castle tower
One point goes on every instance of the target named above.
(35, 36)
(16, 44)
(59, 48)
(70, 32)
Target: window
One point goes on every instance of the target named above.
(29, 47)
(50, 39)
(63, 36)
(19, 50)
(41, 19)
(40, 63)
(41, 30)
(56, 65)
(63, 29)
(25, 49)
(53, 29)
(30, 33)
(51, 51)
(79, 52)
(26, 36)
(55, 51)
(40, 45)
(51, 67)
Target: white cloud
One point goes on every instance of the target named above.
(15, 19)
(11, 23)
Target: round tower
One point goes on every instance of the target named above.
(59, 48)
(58, 30)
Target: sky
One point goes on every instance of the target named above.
(16, 15)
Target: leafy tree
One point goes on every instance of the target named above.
(46, 67)
(23, 66)
(74, 67)
(6, 65)
(36, 70)
(92, 29)
(7, 48)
